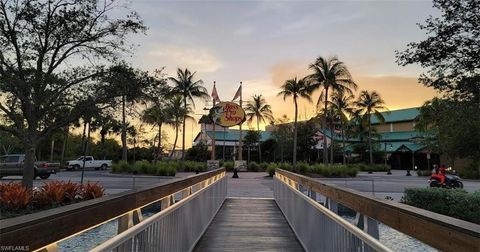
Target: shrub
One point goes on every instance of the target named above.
(271, 169)
(51, 194)
(371, 168)
(285, 166)
(253, 167)
(229, 165)
(121, 166)
(14, 196)
(263, 166)
(455, 203)
(71, 191)
(471, 171)
(91, 191)
(141, 166)
(302, 168)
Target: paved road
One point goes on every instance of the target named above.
(394, 185)
(255, 184)
(113, 183)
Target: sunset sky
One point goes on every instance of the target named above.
(264, 43)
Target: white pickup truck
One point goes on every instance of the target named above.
(90, 162)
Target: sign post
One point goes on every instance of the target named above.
(227, 114)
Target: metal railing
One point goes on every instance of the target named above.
(47, 229)
(316, 227)
(439, 231)
(178, 227)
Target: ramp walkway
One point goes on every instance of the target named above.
(249, 224)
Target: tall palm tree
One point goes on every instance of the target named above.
(342, 105)
(186, 86)
(297, 89)
(369, 103)
(157, 115)
(330, 75)
(260, 110)
(177, 116)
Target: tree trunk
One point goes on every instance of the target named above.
(159, 147)
(174, 143)
(325, 150)
(343, 143)
(281, 152)
(295, 133)
(124, 130)
(52, 147)
(259, 141)
(28, 165)
(85, 149)
(183, 126)
(370, 139)
(332, 141)
(248, 159)
(64, 145)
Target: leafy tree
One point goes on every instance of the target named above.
(259, 109)
(128, 87)
(50, 52)
(306, 131)
(282, 133)
(177, 115)
(450, 53)
(198, 152)
(454, 128)
(157, 115)
(297, 89)
(252, 137)
(330, 75)
(186, 86)
(342, 106)
(369, 103)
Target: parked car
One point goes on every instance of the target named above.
(90, 162)
(14, 164)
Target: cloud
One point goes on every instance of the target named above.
(243, 31)
(197, 59)
(285, 70)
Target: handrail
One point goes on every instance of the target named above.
(369, 241)
(40, 229)
(183, 234)
(439, 231)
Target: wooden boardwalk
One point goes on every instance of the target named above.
(249, 225)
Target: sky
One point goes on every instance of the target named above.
(264, 43)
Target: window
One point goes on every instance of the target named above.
(12, 159)
(88, 159)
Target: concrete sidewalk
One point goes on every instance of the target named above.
(250, 185)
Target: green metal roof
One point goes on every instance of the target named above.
(392, 146)
(234, 135)
(402, 135)
(399, 115)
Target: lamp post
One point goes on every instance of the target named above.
(389, 172)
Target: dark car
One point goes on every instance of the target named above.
(13, 165)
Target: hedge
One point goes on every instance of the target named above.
(454, 203)
(161, 168)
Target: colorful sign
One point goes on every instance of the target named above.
(227, 114)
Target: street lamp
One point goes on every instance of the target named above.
(389, 172)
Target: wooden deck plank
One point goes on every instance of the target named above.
(249, 225)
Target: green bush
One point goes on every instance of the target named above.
(455, 203)
(285, 166)
(229, 165)
(334, 170)
(141, 167)
(271, 169)
(471, 171)
(424, 173)
(253, 167)
(121, 166)
(263, 166)
(302, 168)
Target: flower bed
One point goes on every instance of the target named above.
(16, 199)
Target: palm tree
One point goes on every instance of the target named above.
(368, 103)
(189, 89)
(297, 89)
(177, 115)
(330, 75)
(342, 105)
(260, 110)
(157, 115)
